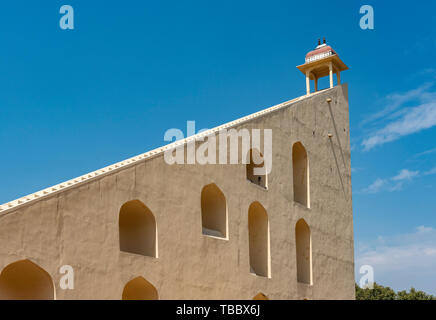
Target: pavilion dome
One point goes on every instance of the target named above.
(320, 52)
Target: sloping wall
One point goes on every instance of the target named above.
(79, 226)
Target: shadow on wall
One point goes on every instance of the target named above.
(304, 252)
(138, 231)
(25, 280)
(255, 158)
(258, 232)
(260, 296)
(139, 289)
(300, 165)
(214, 212)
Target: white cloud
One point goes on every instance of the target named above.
(395, 100)
(424, 229)
(405, 175)
(431, 171)
(354, 170)
(397, 186)
(430, 151)
(413, 120)
(430, 251)
(403, 260)
(392, 184)
(375, 187)
(405, 121)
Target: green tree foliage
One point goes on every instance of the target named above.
(414, 295)
(380, 292)
(377, 293)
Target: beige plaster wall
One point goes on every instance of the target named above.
(79, 226)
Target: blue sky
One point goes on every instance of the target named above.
(72, 101)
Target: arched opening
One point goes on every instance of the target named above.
(256, 163)
(304, 252)
(300, 165)
(258, 231)
(260, 296)
(213, 211)
(25, 280)
(138, 231)
(139, 289)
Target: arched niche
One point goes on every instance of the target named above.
(259, 241)
(300, 168)
(139, 289)
(255, 162)
(138, 230)
(260, 296)
(304, 252)
(214, 212)
(25, 280)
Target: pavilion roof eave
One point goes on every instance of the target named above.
(338, 64)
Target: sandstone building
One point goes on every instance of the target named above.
(145, 229)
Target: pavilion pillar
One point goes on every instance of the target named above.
(331, 74)
(307, 82)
